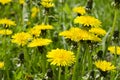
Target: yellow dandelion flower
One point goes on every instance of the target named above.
(47, 3)
(35, 32)
(1, 65)
(7, 22)
(43, 27)
(5, 1)
(112, 50)
(5, 32)
(39, 42)
(61, 57)
(79, 10)
(98, 31)
(34, 11)
(104, 65)
(77, 34)
(21, 38)
(21, 1)
(87, 21)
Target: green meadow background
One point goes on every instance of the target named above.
(61, 18)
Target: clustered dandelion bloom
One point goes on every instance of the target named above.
(80, 10)
(98, 31)
(34, 11)
(114, 50)
(1, 65)
(47, 3)
(34, 32)
(104, 65)
(77, 34)
(87, 21)
(43, 27)
(39, 42)
(5, 1)
(21, 38)
(21, 1)
(61, 57)
(7, 22)
(5, 32)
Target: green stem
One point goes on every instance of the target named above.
(59, 74)
(114, 21)
(76, 68)
(108, 39)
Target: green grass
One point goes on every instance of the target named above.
(35, 65)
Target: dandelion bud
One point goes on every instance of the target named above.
(50, 73)
(89, 5)
(21, 57)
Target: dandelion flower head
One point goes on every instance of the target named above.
(77, 34)
(34, 32)
(98, 31)
(112, 50)
(21, 1)
(34, 11)
(5, 32)
(43, 27)
(79, 10)
(39, 42)
(7, 22)
(21, 38)
(61, 57)
(104, 65)
(1, 65)
(47, 3)
(5, 1)
(87, 21)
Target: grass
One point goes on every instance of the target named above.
(25, 63)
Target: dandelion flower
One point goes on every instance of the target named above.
(5, 1)
(98, 31)
(61, 57)
(80, 10)
(21, 38)
(47, 3)
(34, 11)
(43, 27)
(5, 32)
(39, 42)
(77, 34)
(112, 50)
(104, 65)
(21, 1)
(87, 21)
(35, 32)
(1, 65)
(7, 22)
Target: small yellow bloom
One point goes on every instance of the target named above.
(61, 57)
(21, 38)
(39, 42)
(47, 3)
(21, 1)
(43, 27)
(7, 22)
(34, 11)
(98, 31)
(5, 1)
(5, 32)
(104, 65)
(77, 34)
(1, 65)
(112, 50)
(79, 10)
(35, 32)
(87, 21)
